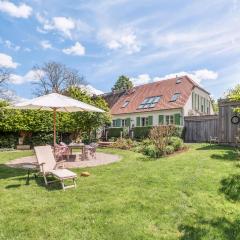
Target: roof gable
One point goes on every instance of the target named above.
(165, 88)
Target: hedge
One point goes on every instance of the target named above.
(141, 132)
(10, 139)
(114, 132)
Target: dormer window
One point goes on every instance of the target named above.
(149, 102)
(125, 104)
(175, 97)
(178, 80)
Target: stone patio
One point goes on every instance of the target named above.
(101, 159)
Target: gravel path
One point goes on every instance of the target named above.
(101, 159)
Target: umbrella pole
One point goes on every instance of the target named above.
(54, 126)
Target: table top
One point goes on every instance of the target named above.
(29, 166)
(76, 145)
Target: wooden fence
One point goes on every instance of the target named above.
(200, 128)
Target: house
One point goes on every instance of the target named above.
(161, 102)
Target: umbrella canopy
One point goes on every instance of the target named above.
(57, 103)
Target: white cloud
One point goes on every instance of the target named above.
(21, 11)
(30, 76)
(61, 24)
(123, 39)
(7, 61)
(198, 76)
(11, 96)
(11, 45)
(90, 89)
(141, 79)
(78, 49)
(46, 44)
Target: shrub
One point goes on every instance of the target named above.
(8, 140)
(169, 149)
(176, 143)
(40, 138)
(179, 131)
(151, 151)
(141, 132)
(123, 143)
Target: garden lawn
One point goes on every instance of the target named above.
(191, 195)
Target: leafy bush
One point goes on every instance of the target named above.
(8, 140)
(176, 143)
(123, 143)
(151, 151)
(141, 132)
(179, 131)
(40, 138)
(169, 149)
(114, 132)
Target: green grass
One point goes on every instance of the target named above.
(191, 195)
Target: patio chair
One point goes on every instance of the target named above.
(49, 166)
(61, 150)
(92, 148)
(213, 140)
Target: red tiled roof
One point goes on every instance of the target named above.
(164, 88)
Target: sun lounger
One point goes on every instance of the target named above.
(49, 166)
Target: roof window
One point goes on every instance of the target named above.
(149, 102)
(125, 103)
(175, 97)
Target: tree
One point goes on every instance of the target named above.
(234, 95)
(55, 77)
(123, 83)
(4, 78)
(88, 121)
(214, 105)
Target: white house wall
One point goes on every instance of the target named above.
(154, 114)
(188, 106)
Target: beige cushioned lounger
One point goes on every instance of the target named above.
(48, 166)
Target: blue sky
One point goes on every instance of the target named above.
(146, 40)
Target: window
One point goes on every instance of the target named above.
(114, 123)
(149, 102)
(175, 97)
(178, 80)
(125, 104)
(144, 121)
(123, 123)
(169, 119)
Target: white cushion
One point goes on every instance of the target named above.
(63, 173)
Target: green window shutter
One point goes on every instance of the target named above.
(138, 121)
(193, 101)
(128, 122)
(177, 118)
(118, 122)
(161, 119)
(150, 120)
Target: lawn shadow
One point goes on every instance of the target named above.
(215, 147)
(220, 228)
(230, 186)
(9, 172)
(13, 186)
(229, 155)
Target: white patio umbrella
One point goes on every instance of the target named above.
(57, 103)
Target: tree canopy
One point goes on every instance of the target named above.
(123, 83)
(234, 95)
(55, 77)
